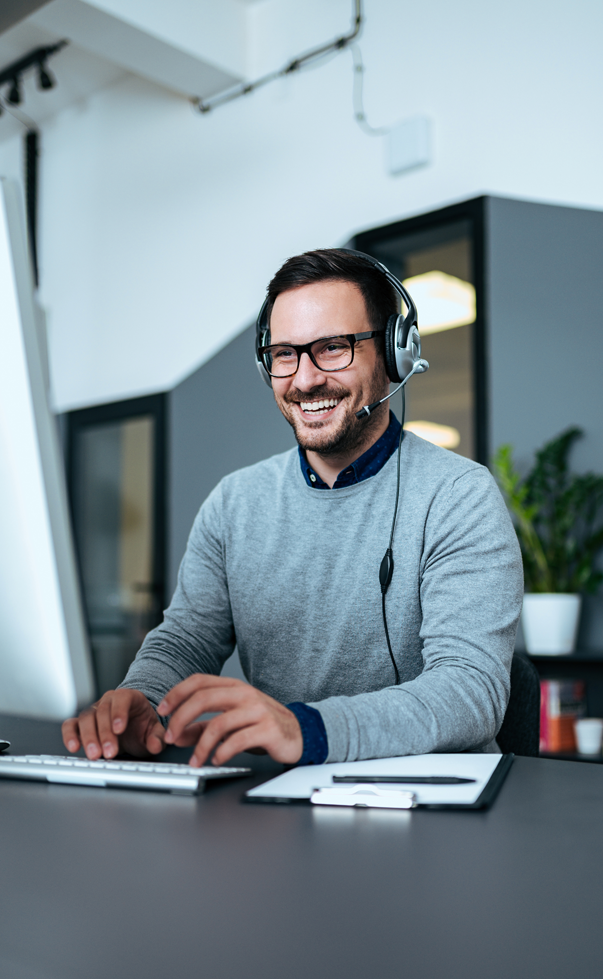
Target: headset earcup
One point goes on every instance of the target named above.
(263, 373)
(409, 351)
(261, 333)
(390, 349)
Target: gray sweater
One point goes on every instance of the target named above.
(290, 574)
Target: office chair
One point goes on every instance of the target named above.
(520, 731)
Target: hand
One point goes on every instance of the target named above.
(122, 720)
(248, 719)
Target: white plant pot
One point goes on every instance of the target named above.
(550, 623)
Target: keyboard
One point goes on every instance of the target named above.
(178, 779)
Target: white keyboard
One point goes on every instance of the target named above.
(180, 779)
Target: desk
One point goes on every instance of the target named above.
(103, 883)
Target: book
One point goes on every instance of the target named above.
(562, 702)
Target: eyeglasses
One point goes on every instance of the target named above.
(328, 353)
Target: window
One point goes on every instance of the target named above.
(116, 480)
(438, 258)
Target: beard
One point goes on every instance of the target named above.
(349, 433)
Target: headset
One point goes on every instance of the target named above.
(402, 352)
(402, 343)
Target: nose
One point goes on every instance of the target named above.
(308, 375)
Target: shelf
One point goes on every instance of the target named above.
(584, 664)
(580, 656)
(565, 756)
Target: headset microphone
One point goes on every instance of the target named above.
(419, 367)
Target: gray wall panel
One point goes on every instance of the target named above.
(221, 418)
(545, 311)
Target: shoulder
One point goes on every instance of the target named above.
(441, 478)
(435, 463)
(268, 472)
(252, 483)
(249, 489)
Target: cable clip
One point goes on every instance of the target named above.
(386, 570)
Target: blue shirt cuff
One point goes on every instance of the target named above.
(316, 746)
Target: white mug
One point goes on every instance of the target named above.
(589, 733)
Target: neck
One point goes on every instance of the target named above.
(329, 466)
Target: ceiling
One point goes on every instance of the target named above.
(12, 11)
(105, 45)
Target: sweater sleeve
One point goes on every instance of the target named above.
(197, 633)
(471, 587)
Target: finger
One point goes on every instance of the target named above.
(203, 702)
(242, 740)
(267, 734)
(154, 741)
(191, 734)
(198, 681)
(71, 734)
(109, 742)
(121, 707)
(277, 732)
(220, 727)
(89, 733)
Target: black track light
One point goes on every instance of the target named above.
(14, 95)
(12, 75)
(45, 79)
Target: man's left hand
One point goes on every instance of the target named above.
(248, 719)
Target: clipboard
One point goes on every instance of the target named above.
(466, 781)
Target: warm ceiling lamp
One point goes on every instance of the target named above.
(443, 301)
(444, 435)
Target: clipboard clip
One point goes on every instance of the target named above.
(364, 795)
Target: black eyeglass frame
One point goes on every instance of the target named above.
(306, 348)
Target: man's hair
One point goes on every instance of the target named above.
(337, 264)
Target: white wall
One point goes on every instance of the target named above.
(160, 228)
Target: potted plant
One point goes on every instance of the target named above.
(558, 517)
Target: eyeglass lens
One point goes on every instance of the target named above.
(332, 354)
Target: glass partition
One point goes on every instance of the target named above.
(116, 484)
(437, 263)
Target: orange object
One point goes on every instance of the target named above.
(562, 702)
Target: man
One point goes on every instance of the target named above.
(283, 561)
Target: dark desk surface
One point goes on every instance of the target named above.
(103, 883)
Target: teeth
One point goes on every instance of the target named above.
(319, 405)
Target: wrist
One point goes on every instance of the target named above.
(314, 736)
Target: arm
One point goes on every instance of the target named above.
(196, 636)
(471, 587)
(175, 673)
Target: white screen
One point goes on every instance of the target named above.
(44, 660)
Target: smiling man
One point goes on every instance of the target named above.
(283, 562)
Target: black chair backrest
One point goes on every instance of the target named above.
(520, 731)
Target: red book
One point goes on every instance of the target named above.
(561, 703)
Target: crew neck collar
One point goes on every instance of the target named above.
(367, 465)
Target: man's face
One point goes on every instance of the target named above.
(307, 313)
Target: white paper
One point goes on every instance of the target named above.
(299, 783)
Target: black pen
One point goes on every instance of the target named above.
(406, 779)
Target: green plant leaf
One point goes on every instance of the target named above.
(558, 517)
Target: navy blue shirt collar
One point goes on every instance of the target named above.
(368, 464)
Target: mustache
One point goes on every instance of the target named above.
(315, 394)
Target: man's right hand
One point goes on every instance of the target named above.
(122, 720)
